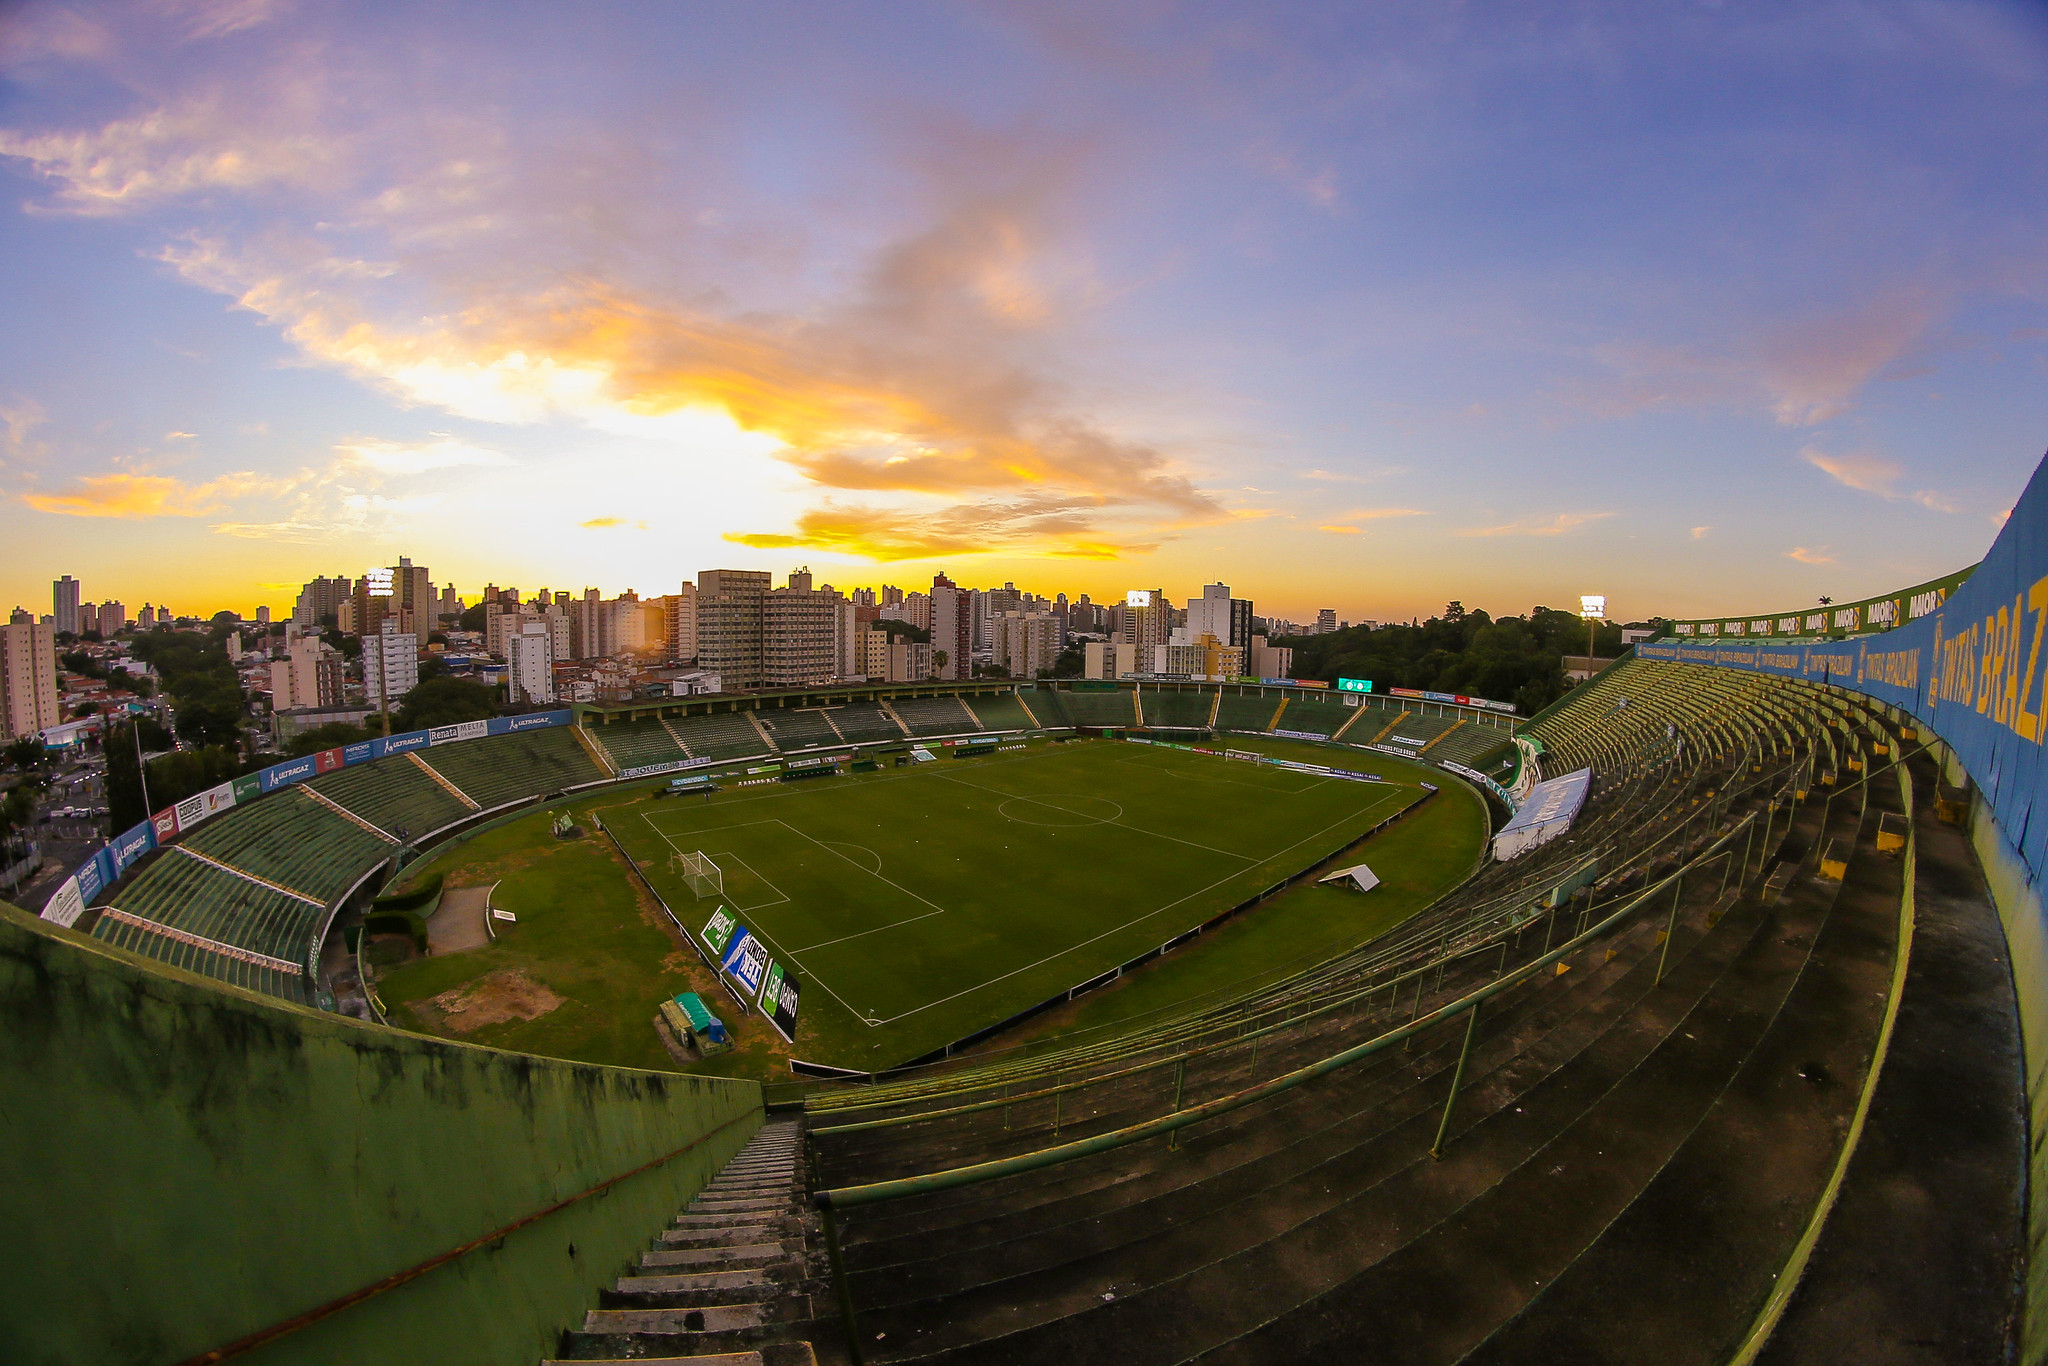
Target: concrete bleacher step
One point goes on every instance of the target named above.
(1325, 1216)
(717, 1285)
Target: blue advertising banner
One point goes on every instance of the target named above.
(289, 772)
(131, 845)
(505, 725)
(398, 744)
(747, 961)
(357, 753)
(1971, 670)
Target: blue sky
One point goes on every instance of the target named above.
(1708, 307)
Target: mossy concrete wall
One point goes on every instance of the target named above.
(186, 1164)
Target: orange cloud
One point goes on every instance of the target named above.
(599, 523)
(1810, 556)
(1342, 530)
(1042, 526)
(133, 496)
(1536, 526)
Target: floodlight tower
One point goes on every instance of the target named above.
(1593, 607)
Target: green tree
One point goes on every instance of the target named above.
(331, 736)
(445, 702)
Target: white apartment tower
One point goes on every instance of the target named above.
(531, 677)
(391, 665)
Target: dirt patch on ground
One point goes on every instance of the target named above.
(502, 996)
(459, 923)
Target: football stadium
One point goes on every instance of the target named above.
(1695, 1019)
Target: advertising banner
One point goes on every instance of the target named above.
(1887, 613)
(1354, 685)
(65, 904)
(205, 805)
(1298, 734)
(248, 787)
(327, 760)
(779, 1001)
(746, 961)
(537, 720)
(131, 845)
(670, 766)
(94, 876)
(717, 931)
(166, 822)
(383, 746)
(358, 753)
(466, 730)
(287, 773)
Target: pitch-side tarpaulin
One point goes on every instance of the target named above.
(1358, 875)
(1550, 810)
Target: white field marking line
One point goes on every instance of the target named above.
(936, 908)
(761, 906)
(1120, 928)
(1304, 782)
(849, 844)
(1134, 829)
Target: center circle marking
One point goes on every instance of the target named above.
(1061, 810)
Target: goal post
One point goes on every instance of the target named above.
(700, 874)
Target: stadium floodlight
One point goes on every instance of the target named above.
(377, 583)
(699, 873)
(1593, 606)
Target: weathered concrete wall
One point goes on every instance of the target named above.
(186, 1163)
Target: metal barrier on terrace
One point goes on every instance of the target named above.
(1720, 850)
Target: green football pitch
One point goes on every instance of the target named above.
(917, 905)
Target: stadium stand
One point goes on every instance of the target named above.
(508, 768)
(184, 893)
(294, 841)
(1484, 748)
(865, 723)
(1177, 708)
(636, 744)
(1246, 711)
(1591, 1122)
(1045, 706)
(1100, 708)
(799, 728)
(1314, 713)
(392, 797)
(721, 735)
(999, 711)
(936, 716)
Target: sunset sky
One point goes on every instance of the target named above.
(1711, 307)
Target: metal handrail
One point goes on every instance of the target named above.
(1488, 938)
(830, 1202)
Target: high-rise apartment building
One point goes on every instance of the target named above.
(731, 620)
(1326, 621)
(952, 628)
(413, 592)
(1147, 618)
(113, 619)
(800, 642)
(679, 624)
(309, 675)
(1026, 643)
(531, 677)
(391, 664)
(1218, 614)
(28, 678)
(64, 606)
(320, 599)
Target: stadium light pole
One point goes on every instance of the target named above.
(1593, 607)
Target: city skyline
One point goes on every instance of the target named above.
(1364, 311)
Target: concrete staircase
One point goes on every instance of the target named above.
(717, 1281)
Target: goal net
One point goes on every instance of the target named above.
(700, 873)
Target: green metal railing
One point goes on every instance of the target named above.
(831, 1203)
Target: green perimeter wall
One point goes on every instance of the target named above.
(187, 1163)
